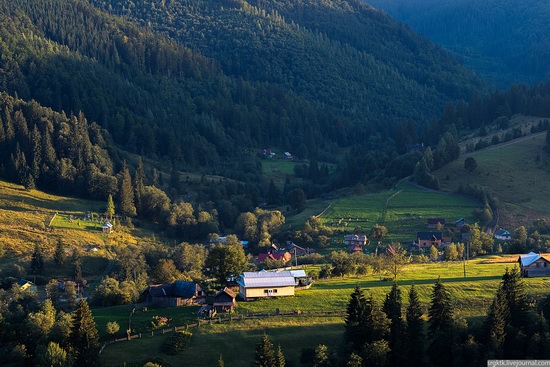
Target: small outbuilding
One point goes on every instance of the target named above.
(503, 235)
(107, 227)
(434, 222)
(27, 286)
(224, 300)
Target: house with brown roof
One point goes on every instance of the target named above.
(224, 300)
(435, 222)
(534, 265)
(428, 239)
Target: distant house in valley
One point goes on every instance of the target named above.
(224, 300)
(503, 235)
(435, 222)
(460, 222)
(286, 256)
(288, 155)
(27, 286)
(295, 249)
(107, 227)
(355, 239)
(266, 153)
(179, 293)
(534, 265)
(428, 239)
(265, 284)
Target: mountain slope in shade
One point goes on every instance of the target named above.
(504, 41)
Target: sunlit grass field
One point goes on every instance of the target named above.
(403, 210)
(471, 296)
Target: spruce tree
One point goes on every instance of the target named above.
(496, 324)
(265, 356)
(110, 211)
(440, 326)
(392, 309)
(221, 363)
(126, 195)
(59, 256)
(415, 349)
(440, 313)
(513, 288)
(322, 357)
(37, 260)
(84, 336)
(354, 316)
(279, 357)
(139, 184)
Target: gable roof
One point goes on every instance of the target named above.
(107, 225)
(267, 279)
(298, 273)
(429, 236)
(528, 259)
(227, 291)
(502, 232)
(436, 220)
(460, 220)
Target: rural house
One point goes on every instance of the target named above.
(460, 222)
(107, 227)
(503, 235)
(434, 222)
(355, 239)
(534, 265)
(179, 293)
(224, 300)
(301, 278)
(27, 286)
(264, 284)
(428, 239)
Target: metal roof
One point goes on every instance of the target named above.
(298, 273)
(528, 259)
(267, 279)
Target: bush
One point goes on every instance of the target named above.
(176, 342)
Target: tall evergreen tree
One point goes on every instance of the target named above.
(440, 326)
(59, 256)
(126, 194)
(221, 363)
(513, 288)
(139, 184)
(274, 194)
(354, 316)
(279, 357)
(110, 211)
(321, 357)
(495, 325)
(265, 356)
(84, 336)
(37, 260)
(440, 313)
(415, 349)
(392, 309)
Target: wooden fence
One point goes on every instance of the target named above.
(229, 318)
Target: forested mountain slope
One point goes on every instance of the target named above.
(505, 41)
(196, 82)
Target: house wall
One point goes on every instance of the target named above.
(427, 243)
(539, 268)
(251, 293)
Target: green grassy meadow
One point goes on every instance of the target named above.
(236, 340)
(403, 210)
(526, 186)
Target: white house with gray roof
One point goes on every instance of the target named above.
(265, 284)
(534, 265)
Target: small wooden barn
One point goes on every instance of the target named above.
(107, 227)
(224, 300)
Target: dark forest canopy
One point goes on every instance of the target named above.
(505, 41)
(199, 82)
